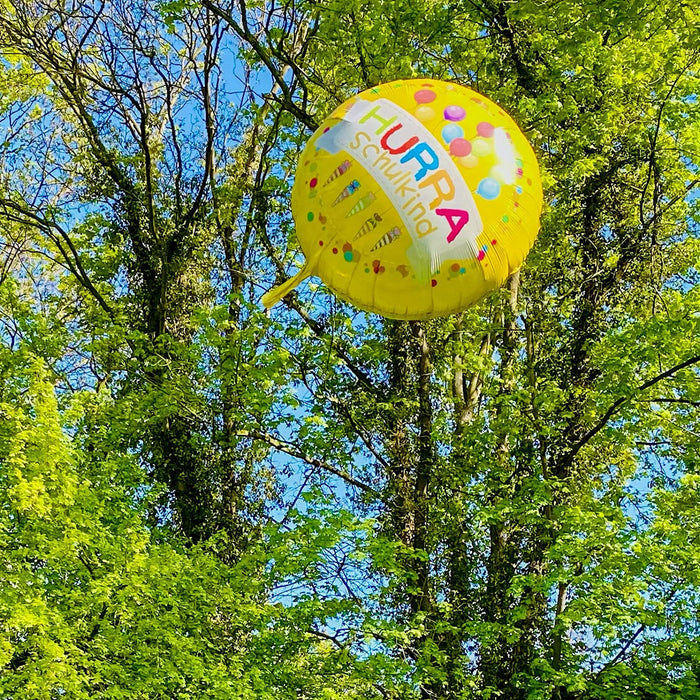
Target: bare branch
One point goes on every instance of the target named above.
(625, 399)
(15, 212)
(243, 31)
(292, 451)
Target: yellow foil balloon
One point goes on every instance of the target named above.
(415, 199)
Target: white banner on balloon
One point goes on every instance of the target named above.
(417, 174)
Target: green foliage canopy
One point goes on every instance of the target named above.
(202, 500)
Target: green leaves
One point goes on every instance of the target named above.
(200, 499)
(96, 604)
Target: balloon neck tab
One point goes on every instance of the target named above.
(276, 294)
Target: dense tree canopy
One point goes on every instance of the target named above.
(201, 499)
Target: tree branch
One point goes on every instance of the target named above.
(61, 238)
(292, 451)
(292, 302)
(625, 399)
(243, 32)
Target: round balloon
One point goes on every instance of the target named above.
(415, 199)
